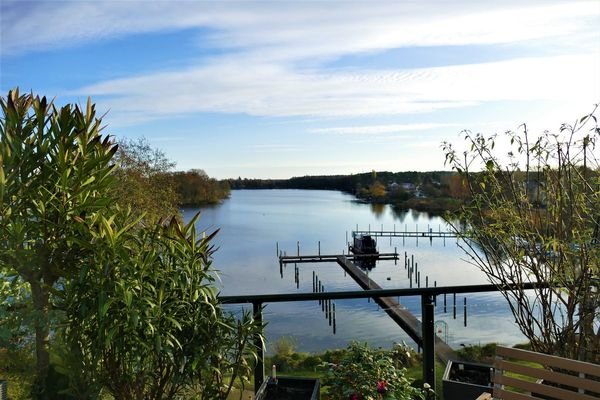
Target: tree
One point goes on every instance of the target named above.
(195, 188)
(54, 173)
(532, 219)
(145, 180)
(148, 325)
(135, 303)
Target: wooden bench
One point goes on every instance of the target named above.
(564, 379)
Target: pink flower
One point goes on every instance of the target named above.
(354, 396)
(382, 386)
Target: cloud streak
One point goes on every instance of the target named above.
(275, 91)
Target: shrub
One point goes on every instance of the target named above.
(365, 373)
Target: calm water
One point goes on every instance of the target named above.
(251, 222)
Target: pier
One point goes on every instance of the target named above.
(333, 258)
(404, 318)
(407, 234)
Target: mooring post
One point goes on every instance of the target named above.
(319, 247)
(298, 245)
(428, 339)
(454, 304)
(259, 368)
(465, 311)
(334, 325)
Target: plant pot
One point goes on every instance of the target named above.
(465, 380)
(3, 390)
(288, 388)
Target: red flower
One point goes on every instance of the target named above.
(354, 396)
(382, 386)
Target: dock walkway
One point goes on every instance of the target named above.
(404, 318)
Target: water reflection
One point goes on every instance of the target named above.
(378, 209)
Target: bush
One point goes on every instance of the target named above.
(365, 373)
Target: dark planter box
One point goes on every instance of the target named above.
(465, 380)
(290, 389)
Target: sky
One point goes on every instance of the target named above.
(275, 89)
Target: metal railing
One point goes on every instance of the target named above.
(427, 311)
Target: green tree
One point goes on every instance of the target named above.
(532, 218)
(54, 172)
(135, 304)
(148, 325)
(145, 180)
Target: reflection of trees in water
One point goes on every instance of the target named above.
(399, 213)
(378, 209)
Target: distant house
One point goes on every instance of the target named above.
(409, 187)
(392, 187)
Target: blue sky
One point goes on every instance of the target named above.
(289, 88)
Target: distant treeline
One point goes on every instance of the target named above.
(195, 187)
(434, 192)
(345, 183)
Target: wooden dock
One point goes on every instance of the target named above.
(334, 258)
(408, 234)
(404, 318)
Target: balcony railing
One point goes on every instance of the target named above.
(427, 295)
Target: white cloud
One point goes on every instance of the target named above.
(262, 89)
(380, 129)
(292, 30)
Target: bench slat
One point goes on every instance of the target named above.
(506, 395)
(552, 376)
(555, 392)
(549, 361)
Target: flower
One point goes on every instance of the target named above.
(426, 385)
(382, 386)
(354, 396)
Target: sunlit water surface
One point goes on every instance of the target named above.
(253, 222)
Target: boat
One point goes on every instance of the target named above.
(364, 244)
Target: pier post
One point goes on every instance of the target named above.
(428, 339)
(465, 312)
(454, 303)
(259, 368)
(334, 325)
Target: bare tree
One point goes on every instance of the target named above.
(534, 217)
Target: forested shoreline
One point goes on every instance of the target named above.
(434, 191)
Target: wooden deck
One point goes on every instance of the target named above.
(404, 318)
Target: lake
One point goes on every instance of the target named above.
(253, 222)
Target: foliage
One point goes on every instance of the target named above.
(365, 373)
(535, 218)
(145, 183)
(484, 354)
(54, 171)
(148, 324)
(129, 307)
(195, 187)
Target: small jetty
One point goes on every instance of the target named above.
(334, 258)
(404, 318)
(407, 234)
